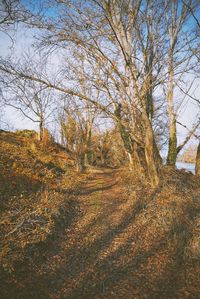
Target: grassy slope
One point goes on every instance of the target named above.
(114, 238)
(36, 190)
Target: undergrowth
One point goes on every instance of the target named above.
(37, 187)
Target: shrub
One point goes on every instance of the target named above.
(27, 133)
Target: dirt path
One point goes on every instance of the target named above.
(91, 247)
(89, 261)
(118, 246)
(119, 249)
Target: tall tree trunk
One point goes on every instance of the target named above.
(41, 130)
(149, 153)
(131, 149)
(172, 144)
(197, 167)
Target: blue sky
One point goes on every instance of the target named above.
(24, 39)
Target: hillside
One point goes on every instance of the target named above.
(102, 234)
(37, 184)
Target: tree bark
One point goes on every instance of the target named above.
(41, 130)
(151, 165)
(149, 153)
(81, 162)
(172, 145)
(135, 160)
(157, 156)
(197, 166)
(172, 150)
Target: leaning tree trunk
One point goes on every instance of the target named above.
(131, 148)
(150, 156)
(197, 167)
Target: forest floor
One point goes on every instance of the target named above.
(120, 240)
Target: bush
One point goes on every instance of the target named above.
(27, 133)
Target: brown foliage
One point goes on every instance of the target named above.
(106, 234)
(34, 186)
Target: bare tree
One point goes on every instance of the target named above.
(12, 12)
(129, 49)
(182, 44)
(117, 65)
(34, 100)
(76, 125)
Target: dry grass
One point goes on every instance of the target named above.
(105, 234)
(37, 185)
